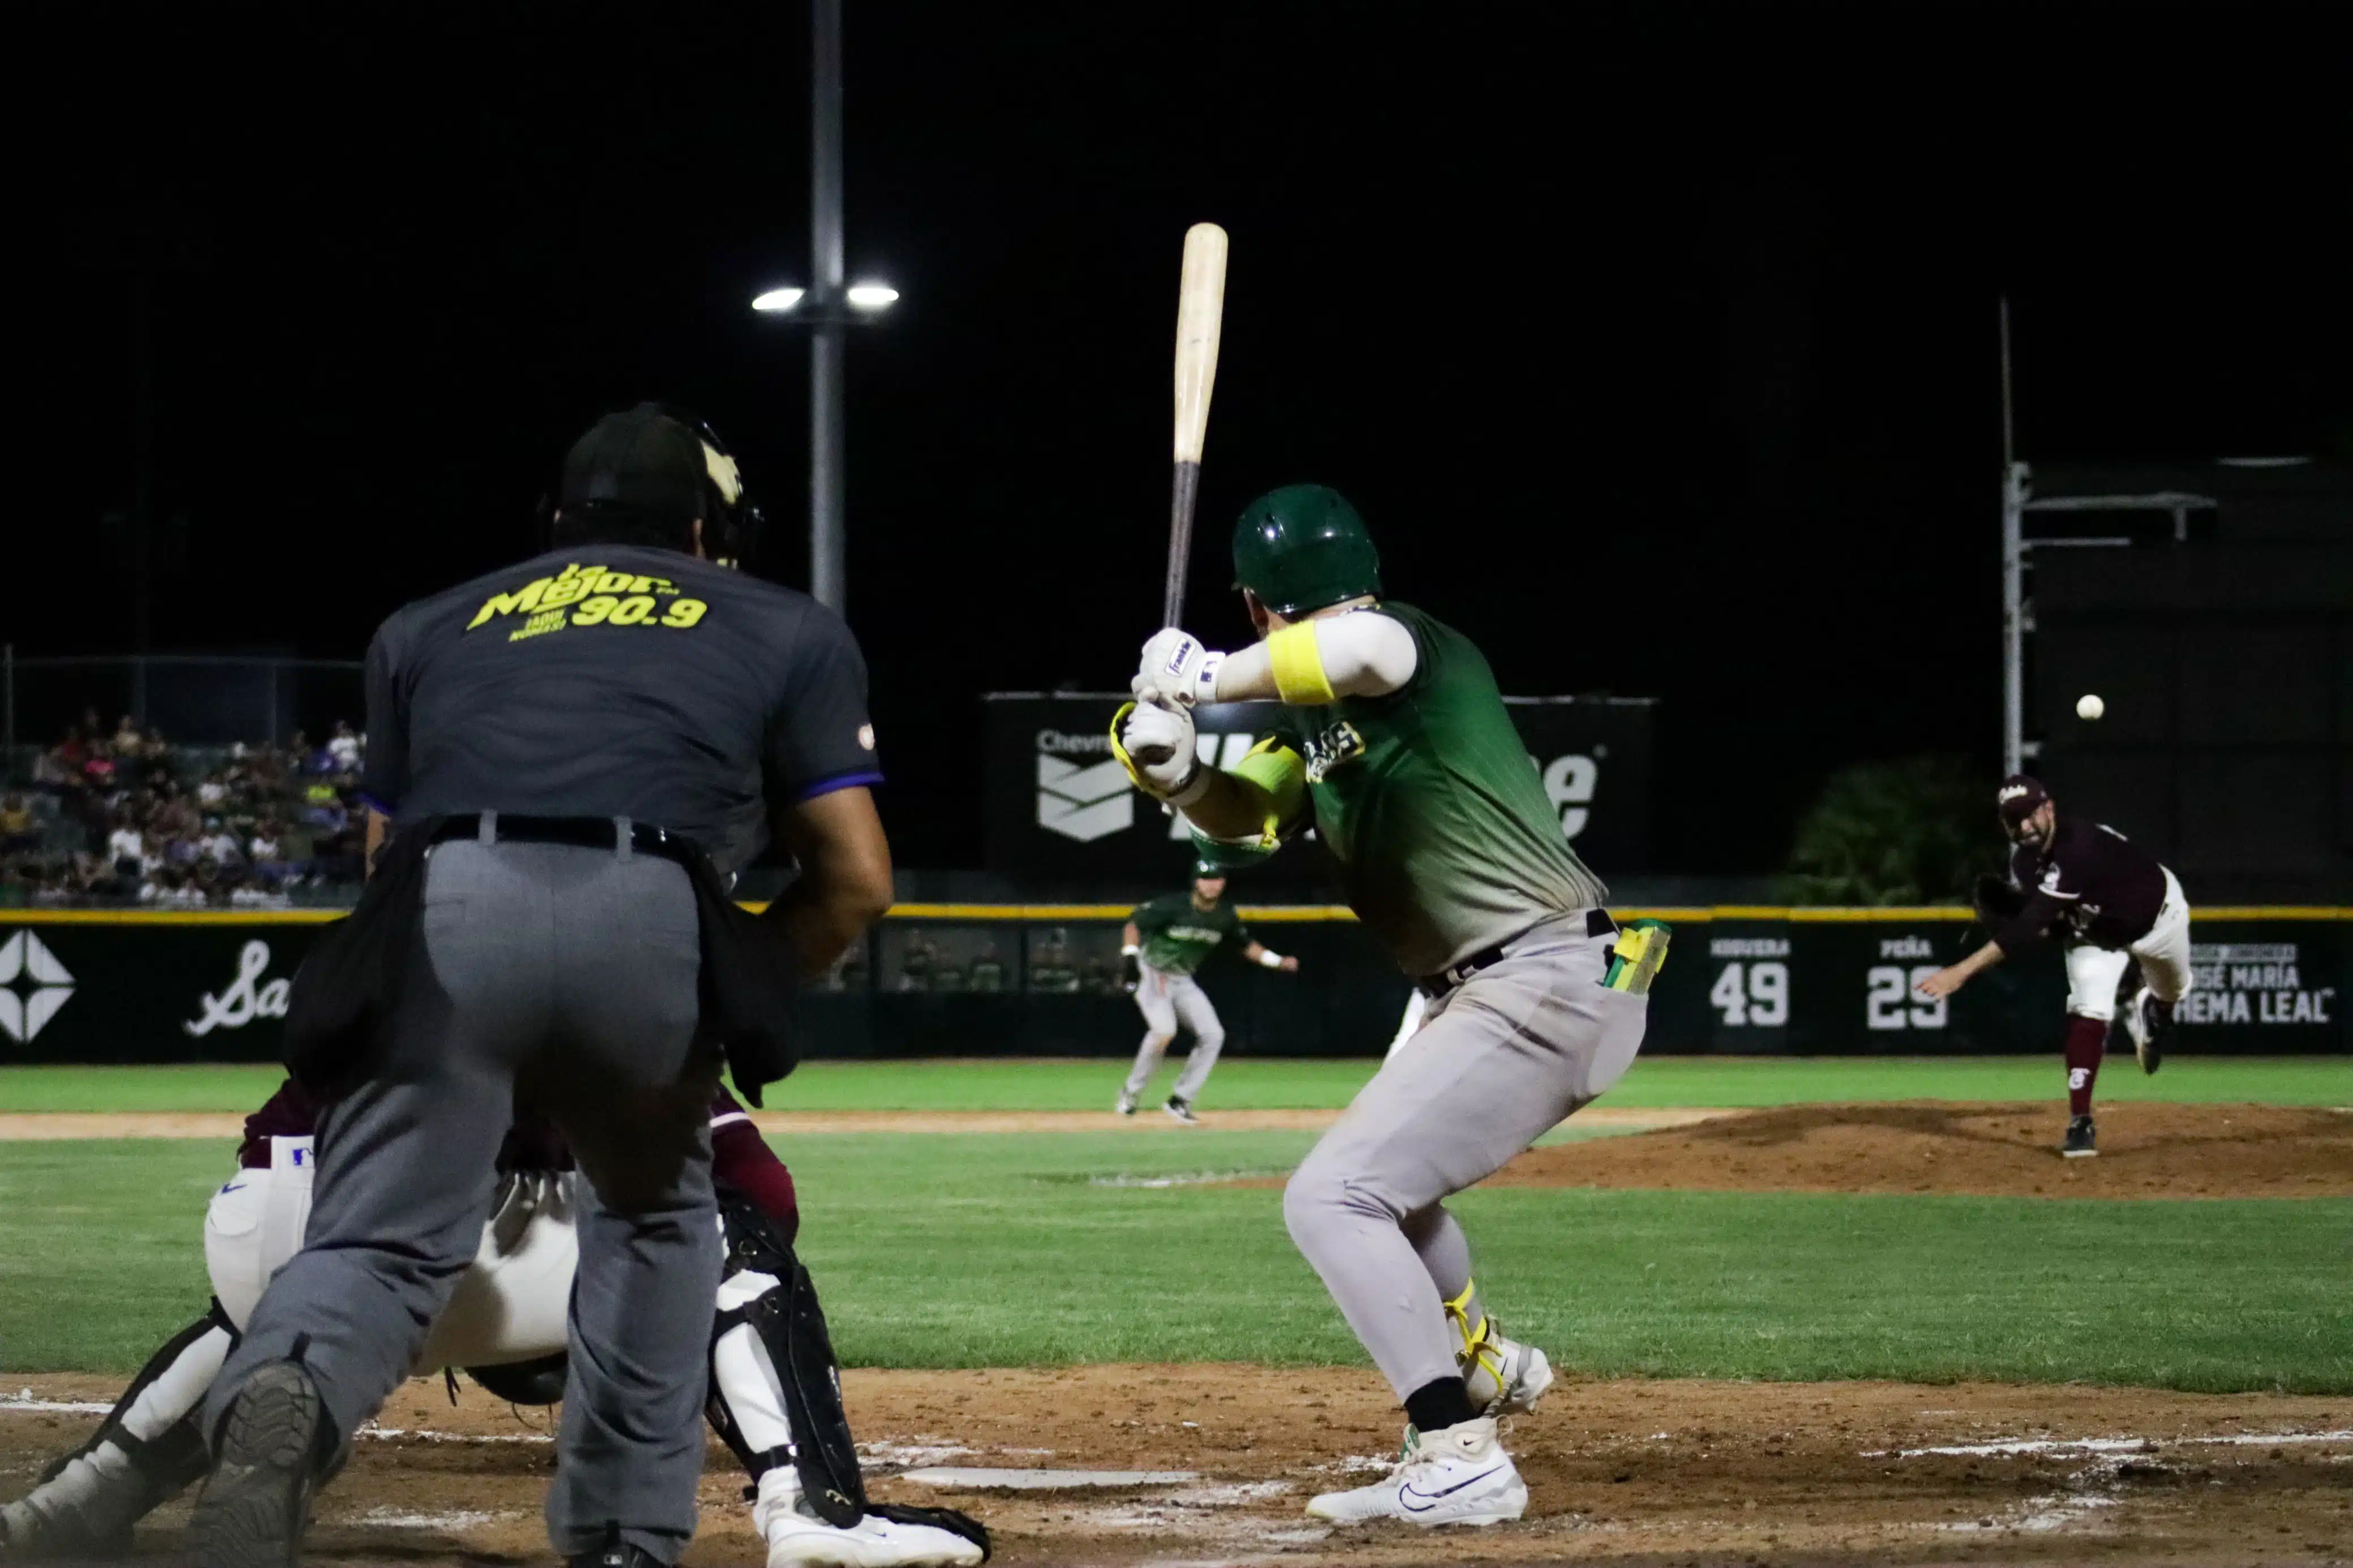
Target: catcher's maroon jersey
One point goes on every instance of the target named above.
(2089, 884)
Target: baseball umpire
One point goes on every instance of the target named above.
(1166, 941)
(569, 755)
(2109, 902)
(1394, 744)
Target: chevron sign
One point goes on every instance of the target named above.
(1083, 803)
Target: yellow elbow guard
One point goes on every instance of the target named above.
(1298, 663)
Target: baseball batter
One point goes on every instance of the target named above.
(2108, 901)
(1166, 943)
(1394, 744)
(504, 1326)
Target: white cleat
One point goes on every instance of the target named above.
(1126, 1105)
(1458, 1475)
(798, 1539)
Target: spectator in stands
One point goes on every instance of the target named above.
(265, 861)
(221, 846)
(126, 842)
(18, 834)
(345, 747)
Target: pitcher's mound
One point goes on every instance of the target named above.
(2146, 1151)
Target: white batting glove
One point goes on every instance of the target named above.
(1176, 667)
(1162, 757)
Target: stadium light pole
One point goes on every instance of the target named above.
(829, 573)
(829, 310)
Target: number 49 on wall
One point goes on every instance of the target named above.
(1752, 995)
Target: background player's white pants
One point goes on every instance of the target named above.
(509, 1306)
(1166, 1000)
(2094, 973)
(1497, 1061)
(1415, 1004)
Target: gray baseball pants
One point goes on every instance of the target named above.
(569, 975)
(1166, 1000)
(1498, 1061)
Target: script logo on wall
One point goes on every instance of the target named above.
(1078, 800)
(32, 986)
(242, 1000)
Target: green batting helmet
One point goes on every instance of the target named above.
(1302, 547)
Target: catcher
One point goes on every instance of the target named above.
(774, 1397)
(2108, 901)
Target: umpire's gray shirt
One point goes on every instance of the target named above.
(616, 680)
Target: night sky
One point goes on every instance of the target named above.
(1658, 352)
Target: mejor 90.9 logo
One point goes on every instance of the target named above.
(591, 596)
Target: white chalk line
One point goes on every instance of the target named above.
(458, 1519)
(986, 1477)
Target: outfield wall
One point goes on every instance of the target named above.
(1040, 980)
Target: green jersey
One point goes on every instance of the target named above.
(1429, 800)
(1178, 938)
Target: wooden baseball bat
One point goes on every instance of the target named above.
(1200, 311)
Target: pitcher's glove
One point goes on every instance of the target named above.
(1997, 902)
(1131, 970)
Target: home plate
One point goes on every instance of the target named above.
(979, 1477)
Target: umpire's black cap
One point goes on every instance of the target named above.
(644, 461)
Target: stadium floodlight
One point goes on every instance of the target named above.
(778, 299)
(872, 296)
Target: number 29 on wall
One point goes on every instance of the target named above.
(1752, 995)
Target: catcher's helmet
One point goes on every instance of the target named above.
(662, 466)
(1303, 547)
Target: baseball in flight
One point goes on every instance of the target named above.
(2089, 706)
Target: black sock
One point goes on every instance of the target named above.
(1439, 1404)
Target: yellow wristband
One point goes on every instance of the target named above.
(1298, 664)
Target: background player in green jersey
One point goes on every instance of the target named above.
(1166, 940)
(1394, 746)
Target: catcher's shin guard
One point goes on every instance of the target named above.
(775, 1395)
(146, 1452)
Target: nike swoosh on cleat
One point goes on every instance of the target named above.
(234, 1187)
(1406, 1493)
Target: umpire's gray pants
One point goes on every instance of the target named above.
(1498, 1061)
(1166, 1000)
(570, 974)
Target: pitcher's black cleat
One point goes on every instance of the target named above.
(2080, 1142)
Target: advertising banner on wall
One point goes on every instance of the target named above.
(153, 988)
(1061, 809)
(1042, 981)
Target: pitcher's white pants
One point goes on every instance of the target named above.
(2094, 973)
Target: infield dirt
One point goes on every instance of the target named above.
(1626, 1472)
(2148, 1150)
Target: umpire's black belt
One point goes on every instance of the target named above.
(585, 832)
(1597, 923)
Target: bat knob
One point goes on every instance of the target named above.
(1152, 756)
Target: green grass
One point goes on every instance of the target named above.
(101, 1258)
(1252, 1083)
